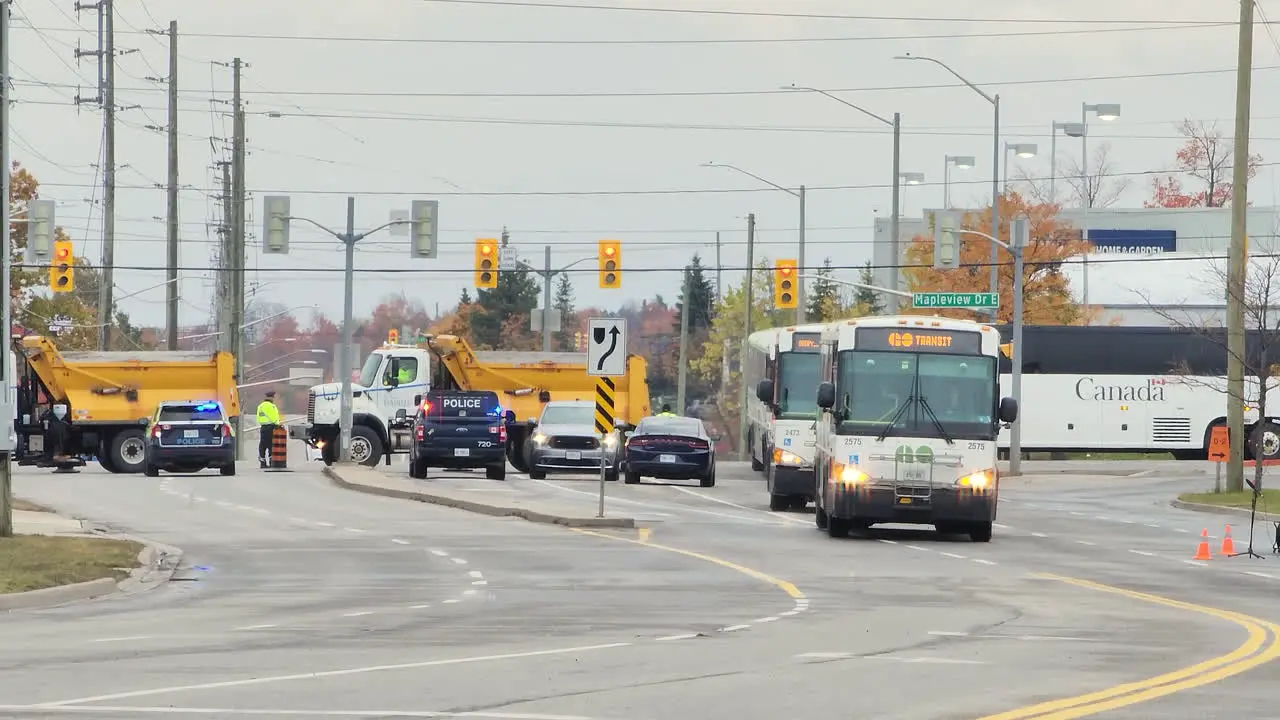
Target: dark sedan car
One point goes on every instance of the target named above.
(187, 437)
(670, 448)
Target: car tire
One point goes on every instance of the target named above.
(611, 474)
(151, 470)
(496, 472)
(778, 503)
(417, 468)
(536, 474)
(228, 470)
(709, 480)
(631, 478)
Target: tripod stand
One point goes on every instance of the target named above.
(1253, 514)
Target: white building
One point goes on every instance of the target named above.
(1151, 266)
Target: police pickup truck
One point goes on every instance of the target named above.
(457, 430)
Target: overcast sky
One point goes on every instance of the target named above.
(393, 100)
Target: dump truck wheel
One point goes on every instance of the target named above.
(366, 448)
(128, 451)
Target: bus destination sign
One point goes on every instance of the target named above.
(952, 342)
(805, 342)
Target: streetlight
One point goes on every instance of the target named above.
(995, 159)
(1070, 129)
(896, 124)
(960, 162)
(1022, 150)
(800, 306)
(912, 178)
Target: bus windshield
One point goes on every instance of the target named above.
(797, 385)
(917, 394)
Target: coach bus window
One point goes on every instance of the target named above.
(873, 386)
(797, 379)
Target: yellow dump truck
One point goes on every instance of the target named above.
(109, 397)
(395, 377)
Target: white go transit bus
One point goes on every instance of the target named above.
(782, 379)
(1134, 389)
(910, 412)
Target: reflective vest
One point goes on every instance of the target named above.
(268, 413)
(667, 414)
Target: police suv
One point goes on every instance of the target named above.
(457, 430)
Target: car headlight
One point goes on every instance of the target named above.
(610, 440)
(539, 439)
(981, 480)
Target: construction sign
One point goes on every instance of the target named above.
(1219, 444)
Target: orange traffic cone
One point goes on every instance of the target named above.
(1228, 546)
(1202, 551)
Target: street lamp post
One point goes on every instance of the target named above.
(995, 159)
(800, 195)
(1104, 111)
(1022, 150)
(896, 124)
(1070, 129)
(960, 162)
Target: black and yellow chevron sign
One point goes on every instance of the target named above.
(605, 408)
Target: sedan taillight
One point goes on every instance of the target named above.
(418, 433)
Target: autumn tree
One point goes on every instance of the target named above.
(124, 334)
(1208, 158)
(866, 300)
(396, 312)
(1047, 293)
(824, 304)
(516, 295)
(563, 303)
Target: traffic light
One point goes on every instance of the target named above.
(784, 285)
(393, 337)
(62, 273)
(610, 261)
(946, 240)
(486, 263)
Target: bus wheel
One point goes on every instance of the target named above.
(778, 503)
(980, 533)
(837, 527)
(1268, 441)
(819, 517)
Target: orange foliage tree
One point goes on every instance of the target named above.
(1048, 298)
(1208, 158)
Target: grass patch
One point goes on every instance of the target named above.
(32, 562)
(1269, 499)
(20, 504)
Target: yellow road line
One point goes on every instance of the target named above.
(782, 585)
(1262, 646)
(644, 534)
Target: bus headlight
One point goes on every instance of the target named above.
(981, 480)
(847, 474)
(784, 457)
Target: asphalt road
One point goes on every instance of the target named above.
(304, 600)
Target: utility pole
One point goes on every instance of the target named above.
(235, 334)
(106, 98)
(225, 253)
(719, 271)
(546, 301)
(6, 259)
(744, 453)
(171, 293)
(1239, 257)
(682, 376)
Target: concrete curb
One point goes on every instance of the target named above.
(481, 508)
(1219, 510)
(157, 563)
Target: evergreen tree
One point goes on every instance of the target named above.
(563, 302)
(824, 296)
(702, 297)
(466, 298)
(516, 295)
(869, 302)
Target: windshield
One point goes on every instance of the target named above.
(207, 412)
(670, 426)
(369, 373)
(568, 415)
(959, 389)
(797, 384)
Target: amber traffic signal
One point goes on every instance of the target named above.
(393, 337)
(609, 258)
(62, 273)
(486, 263)
(784, 285)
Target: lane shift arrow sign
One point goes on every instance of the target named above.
(599, 338)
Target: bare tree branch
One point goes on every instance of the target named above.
(1101, 188)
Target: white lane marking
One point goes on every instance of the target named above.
(256, 627)
(888, 542)
(742, 518)
(439, 553)
(825, 655)
(734, 628)
(420, 607)
(479, 582)
(362, 613)
(686, 636)
(951, 555)
(909, 660)
(398, 541)
(123, 639)
(1181, 530)
(948, 633)
(1197, 563)
(476, 574)
(1002, 527)
(170, 710)
(1129, 522)
(1143, 553)
(271, 679)
(197, 498)
(298, 520)
(765, 619)
(722, 501)
(917, 547)
(322, 523)
(469, 592)
(1141, 473)
(1085, 542)
(789, 613)
(1101, 517)
(1150, 525)
(1077, 514)
(459, 561)
(1039, 535)
(353, 530)
(451, 601)
(1255, 573)
(984, 562)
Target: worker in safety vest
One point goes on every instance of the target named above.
(666, 411)
(268, 421)
(407, 375)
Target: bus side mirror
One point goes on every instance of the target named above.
(826, 395)
(417, 399)
(764, 391)
(1008, 410)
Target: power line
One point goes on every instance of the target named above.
(813, 16)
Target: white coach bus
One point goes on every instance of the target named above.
(782, 382)
(910, 410)
(1132, 389)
